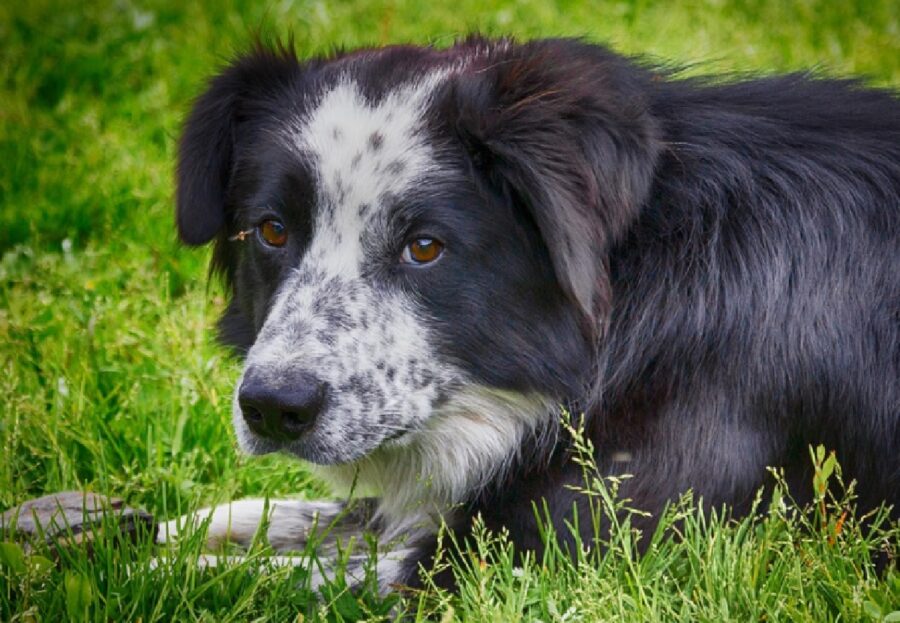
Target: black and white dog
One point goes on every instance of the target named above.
(432, 252)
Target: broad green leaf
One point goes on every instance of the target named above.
(12, 556)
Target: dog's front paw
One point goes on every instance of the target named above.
(72, 517)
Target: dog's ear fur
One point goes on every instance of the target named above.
(566, 126)
(207, 146)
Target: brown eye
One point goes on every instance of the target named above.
(273, 233)
(422, 251)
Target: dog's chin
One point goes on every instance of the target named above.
(312, 448)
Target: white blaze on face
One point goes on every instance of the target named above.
(363, 154)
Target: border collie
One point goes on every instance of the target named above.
(433, 253)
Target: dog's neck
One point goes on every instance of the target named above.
(472, 440)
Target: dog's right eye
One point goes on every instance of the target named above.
(422, 251)
(273, 233)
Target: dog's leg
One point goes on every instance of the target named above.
(290, 523)
(388, 567)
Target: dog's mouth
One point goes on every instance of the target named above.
(398, 438)
(322, 446)
(396, 435)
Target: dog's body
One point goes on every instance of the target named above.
(432, 251)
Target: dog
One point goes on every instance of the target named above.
(433, 254)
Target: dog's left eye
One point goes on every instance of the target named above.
(422, 251)
(273, 233)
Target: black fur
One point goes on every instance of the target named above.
(708, 268)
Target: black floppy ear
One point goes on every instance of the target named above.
(204, 163)
(566, 126)
(207, 146)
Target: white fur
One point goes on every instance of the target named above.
(290, 522)
(388, 567)
(464, 445)
(357, 148)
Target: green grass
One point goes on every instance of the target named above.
(110, 381)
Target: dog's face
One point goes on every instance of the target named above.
(392, 284)
(392, 272)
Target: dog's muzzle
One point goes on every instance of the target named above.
(281, 411)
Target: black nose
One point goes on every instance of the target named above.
(281, 409)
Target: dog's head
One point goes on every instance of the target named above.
(415, 240)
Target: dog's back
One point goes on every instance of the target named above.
(757, 295)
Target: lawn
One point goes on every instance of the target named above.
(110, 380)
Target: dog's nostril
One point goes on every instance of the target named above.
(251, 414)
(296, 421)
